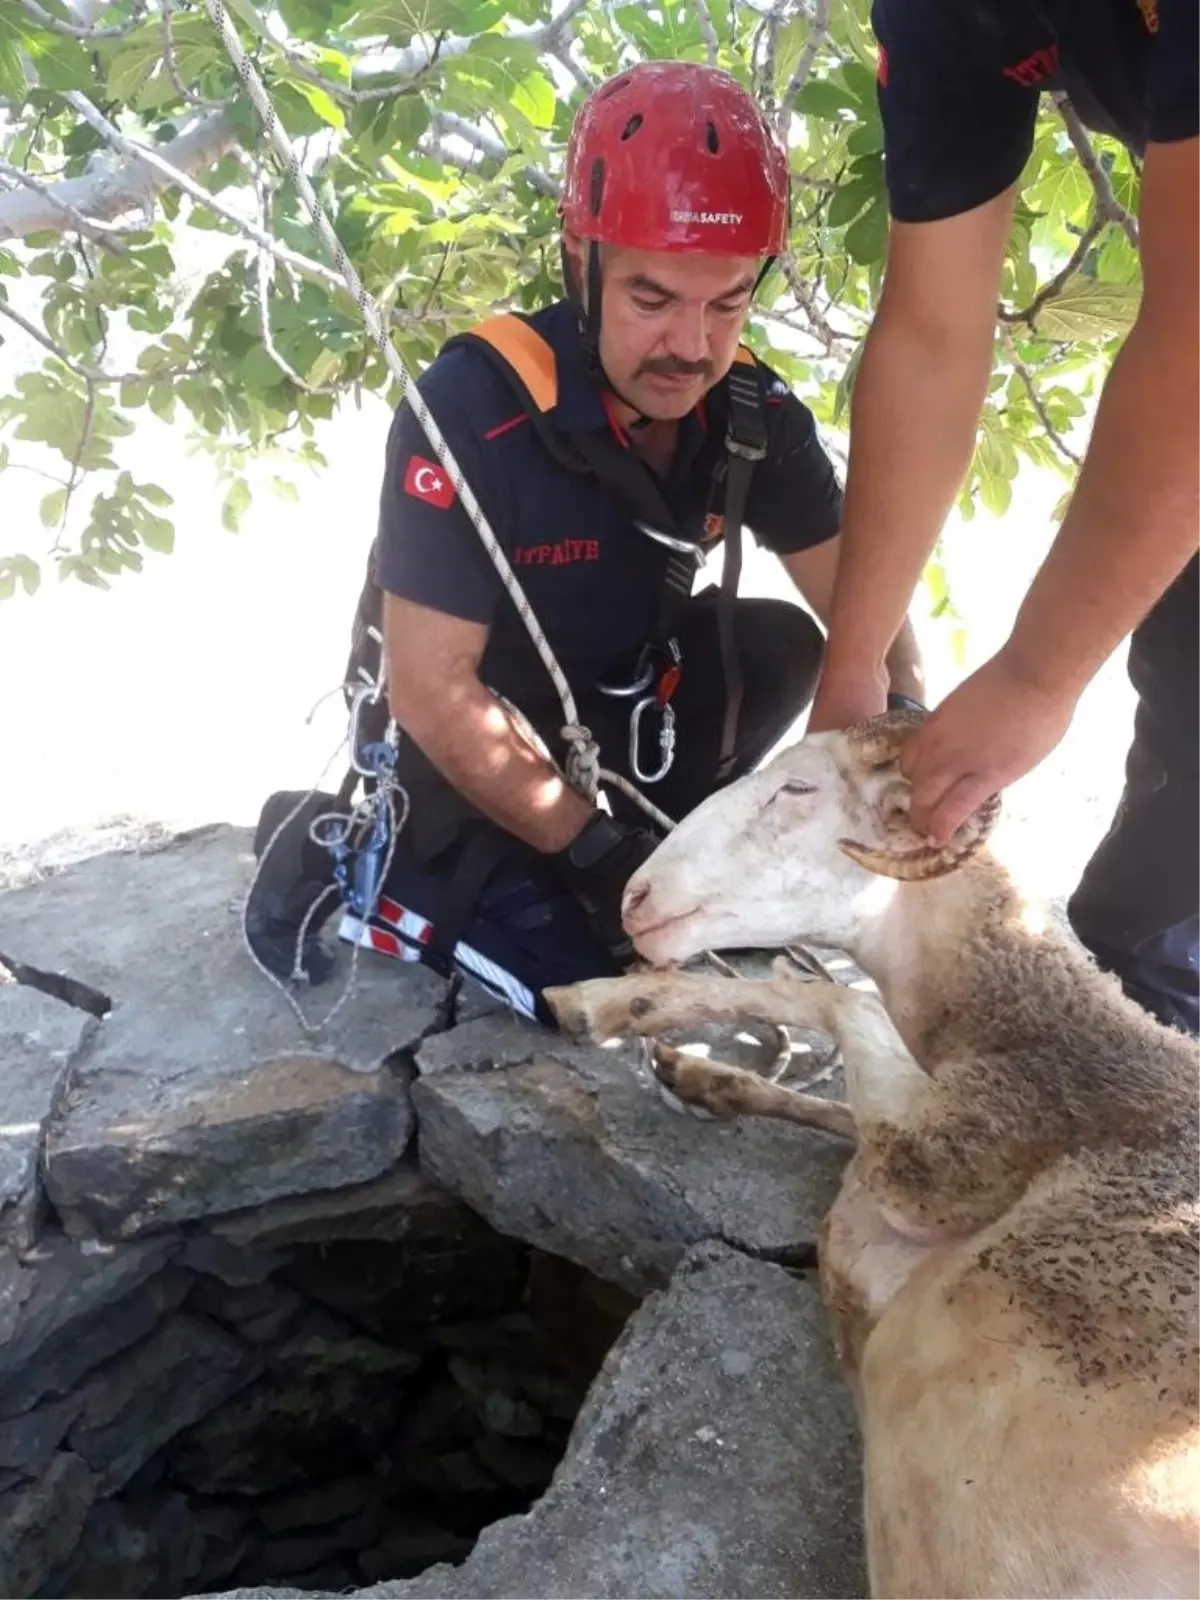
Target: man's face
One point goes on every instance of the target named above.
(670, 324)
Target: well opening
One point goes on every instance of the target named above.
(375, 1404)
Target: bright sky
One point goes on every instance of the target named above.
(181, 695)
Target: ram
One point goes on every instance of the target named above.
(1010, 1268)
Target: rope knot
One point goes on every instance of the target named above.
(583, 759)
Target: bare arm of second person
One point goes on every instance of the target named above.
(436, 696)
(914, 412)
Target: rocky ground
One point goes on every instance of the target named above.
(185, 1180)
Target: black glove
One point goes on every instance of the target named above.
(597, 865)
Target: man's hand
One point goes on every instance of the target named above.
(850, 692)
(597, 865)
(839, 702)
(995, 727)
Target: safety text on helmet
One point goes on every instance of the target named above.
(723, 219)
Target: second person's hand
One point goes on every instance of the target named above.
(993, 729)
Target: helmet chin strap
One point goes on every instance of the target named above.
(588, 314)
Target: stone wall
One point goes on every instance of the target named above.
(356, 1403)
(219, 1234)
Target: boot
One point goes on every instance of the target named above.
(296, 871)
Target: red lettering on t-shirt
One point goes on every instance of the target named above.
(563, 554)
(1035, 68)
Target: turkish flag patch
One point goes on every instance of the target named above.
(424, 480)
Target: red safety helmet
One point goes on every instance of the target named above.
(675, 156)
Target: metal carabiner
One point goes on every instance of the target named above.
(364, 692)
(666, 739)
(375, 759)
(684, 547)
(628, 690)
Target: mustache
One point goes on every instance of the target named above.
(673, 367)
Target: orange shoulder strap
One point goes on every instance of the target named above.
(526, 352)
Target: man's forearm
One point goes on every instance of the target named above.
(905, 669)
(913, 418)
(477, 747)
(1132, 523)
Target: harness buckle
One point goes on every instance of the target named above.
(746, 435)
(748, 452)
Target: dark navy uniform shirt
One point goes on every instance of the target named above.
(959, 82)
(594, 581)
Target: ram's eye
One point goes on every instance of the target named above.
(795, 787)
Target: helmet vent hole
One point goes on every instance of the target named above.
(632, 126)
(713, 142)
(597, 186)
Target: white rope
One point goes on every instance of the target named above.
(583, 759)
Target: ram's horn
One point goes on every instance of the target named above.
(878, 740)
(929, 861)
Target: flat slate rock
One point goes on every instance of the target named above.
(39, 1040)
(200, 1092)
(403, 1204)
(74, 1298)
(28, 1442)
(568, 1148)
(40, 1523)
(138, 1402)
(15, 1286)
(717, 1455)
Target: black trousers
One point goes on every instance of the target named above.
(499, 909)
(1136, 904)
(779, 647)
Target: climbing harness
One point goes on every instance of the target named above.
(362, 845)
(527, 363)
